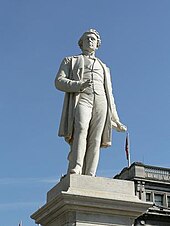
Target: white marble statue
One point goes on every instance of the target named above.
(89, 111)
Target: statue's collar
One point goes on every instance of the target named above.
(89, 55)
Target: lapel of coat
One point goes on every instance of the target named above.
(105, 68)
(78, 67)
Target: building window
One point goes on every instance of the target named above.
(168, 201)
(148, 197)
(158, 199)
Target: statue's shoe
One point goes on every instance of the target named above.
(76, 170)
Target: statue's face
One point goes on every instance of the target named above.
(89, 42)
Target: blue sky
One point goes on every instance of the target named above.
(35, 36)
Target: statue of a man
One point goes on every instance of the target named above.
(89, 111)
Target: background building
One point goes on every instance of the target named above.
(152, 184)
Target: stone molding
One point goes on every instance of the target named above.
(84, 200)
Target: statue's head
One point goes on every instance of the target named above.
(93, 33)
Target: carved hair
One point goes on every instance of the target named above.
(93, 31)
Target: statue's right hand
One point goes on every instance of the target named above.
(86, 84)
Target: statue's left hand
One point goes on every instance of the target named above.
(119, 126)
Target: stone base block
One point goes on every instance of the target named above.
(79, 200)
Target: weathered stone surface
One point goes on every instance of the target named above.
(90, 201)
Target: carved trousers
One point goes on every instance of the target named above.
(90, 117)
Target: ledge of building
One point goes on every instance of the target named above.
(140, 171)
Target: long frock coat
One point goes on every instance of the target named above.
(69, 79)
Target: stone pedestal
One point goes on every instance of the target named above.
(80, 200)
